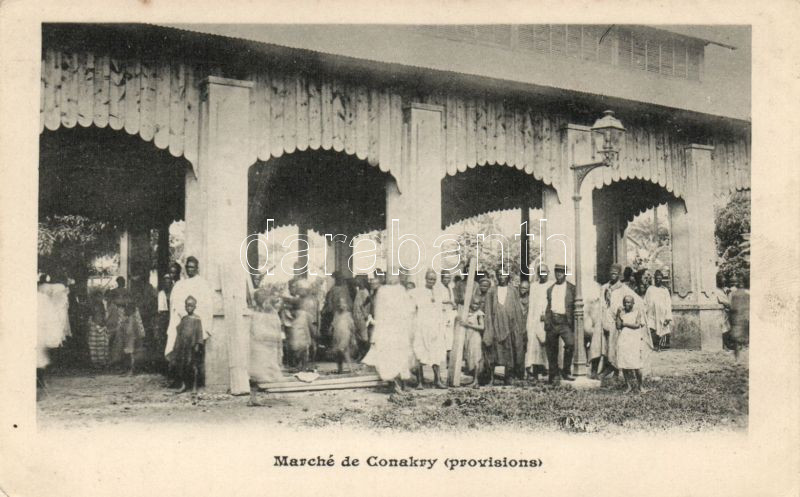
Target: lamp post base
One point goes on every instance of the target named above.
(584, 383)
(579, 363)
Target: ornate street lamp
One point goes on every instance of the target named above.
(606, 134)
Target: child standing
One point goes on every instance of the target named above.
(131, 332)
(473, 353)
(343, 331)
(188, 351)
(630, 323)
(299, 338)
(265, 343)
(98, 334)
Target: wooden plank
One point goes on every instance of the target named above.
(51, 118)
(457, 353)
(461, 135)
(291, 381)
(528, 152)
(350, 127)
(85, 90)
(310, 387)
(71, 117)
(470, 135)
(301, 115)
(314, 114)
(385, 124)
(253, 125)
(547, 151)
(338, 116)
(177, 94)
(116, 106)
(450, 121)
(326, 115)
(481, 132)
(491, 132)
(290, 114)
(41, 97)
(133, 88)
(191, 115)
(395, 165)
(519, 141)
(102, 81)
(58, 84)
(276, 127)
(373, 127)
(500, 133)
(263, 110)
(147, 108)
(63, 87)
(361, 124)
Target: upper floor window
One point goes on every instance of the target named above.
(635, 48)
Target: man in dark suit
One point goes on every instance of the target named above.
(559, 317)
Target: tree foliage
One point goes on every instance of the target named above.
(648, 245)
(732, 235)
(69, 244)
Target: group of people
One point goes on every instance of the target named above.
(387, 322)
(133, 327)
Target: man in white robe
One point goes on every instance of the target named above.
(391, 350)
(535, 353)
(430, 346)
(193, 285)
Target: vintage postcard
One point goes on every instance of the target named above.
(465, 248)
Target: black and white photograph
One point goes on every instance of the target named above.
(426, 232)
(234, 210)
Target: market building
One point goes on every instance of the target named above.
(226, 126)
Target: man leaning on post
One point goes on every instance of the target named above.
(559, 316)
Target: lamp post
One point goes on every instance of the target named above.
(606, 134)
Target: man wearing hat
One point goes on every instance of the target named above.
(559, 316)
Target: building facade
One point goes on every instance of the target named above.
(215, 118)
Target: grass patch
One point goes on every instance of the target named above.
(716, 399)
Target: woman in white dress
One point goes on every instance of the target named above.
(630, 322)
(659, 311)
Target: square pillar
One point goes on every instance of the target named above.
(216, 224)
(134, 254)
(681, 233)
(342, 252)
(416, 202)
(124, 250)
(698, 315)
(139, 262)
(557, 230)
(701, 212)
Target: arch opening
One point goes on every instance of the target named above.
(107, 201)
(632, 219)
(498, 199)
(320, 193)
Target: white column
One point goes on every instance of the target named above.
(416, 202)
(682, 263)
(216, 224)
(557, 232)
(700, 209)
(701, 212)
(124, 248)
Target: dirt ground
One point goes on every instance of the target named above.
(688, 391)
